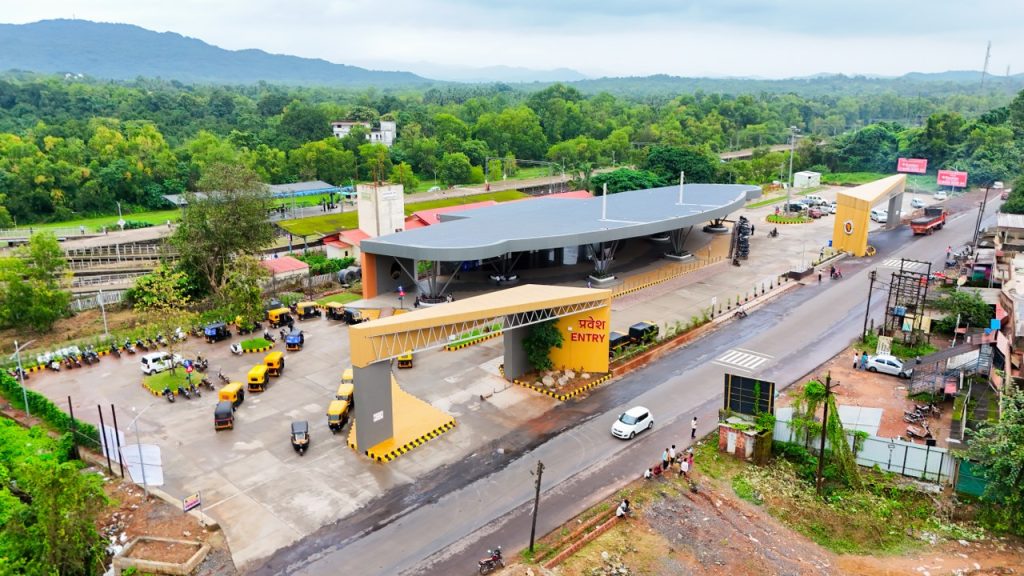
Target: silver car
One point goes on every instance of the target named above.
(887, 364)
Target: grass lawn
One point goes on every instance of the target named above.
(165, 379)
(923, 182)
(343, 297)
(96, 224)
(329, 223)
(255, 343)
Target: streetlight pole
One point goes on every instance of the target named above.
(138, 440)
(21, 373)
(792, 148)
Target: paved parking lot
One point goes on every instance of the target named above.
(261, 491)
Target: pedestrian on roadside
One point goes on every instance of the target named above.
(664, 459)
(672, 455)
(648, 474)
(819, 276)
(693, 428)
(689, 460)
(856, 359)
(684, 467)
(751, 229)
(864, 361)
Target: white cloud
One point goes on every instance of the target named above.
(770, 38)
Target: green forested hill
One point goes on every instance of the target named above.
(124, 52)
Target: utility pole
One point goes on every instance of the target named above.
(984, 69)
(981, 215)
(820, 479)
(792, 148)
(867, 311)
(536, 502)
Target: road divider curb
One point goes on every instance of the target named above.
(390, 455)
(472, 341)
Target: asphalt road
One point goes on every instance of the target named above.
(444, 522)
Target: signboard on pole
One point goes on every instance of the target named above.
(912, 165)
(191, 502)
(952, 178)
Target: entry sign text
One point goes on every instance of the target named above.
(952, 178)
(589, 323)
(912, 165)
(191, 502)
(884, 347)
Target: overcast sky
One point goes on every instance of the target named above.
(766, 38)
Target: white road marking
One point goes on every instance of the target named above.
(746, 360)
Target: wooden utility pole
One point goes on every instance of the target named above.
(820, 480)
(536, 502)
(867, 311)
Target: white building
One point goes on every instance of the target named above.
(806, 179)
(385, 135)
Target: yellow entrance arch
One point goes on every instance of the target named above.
(390, 422)
(853, 212)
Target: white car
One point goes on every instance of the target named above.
(434, 189)
(831, 207)
(887, 364)
(158, 362)
(940, 195)
(879, 215)
(632, 422)
(917, 203)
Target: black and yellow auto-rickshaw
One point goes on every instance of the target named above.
(274, 363)
(295, 340)
(335, 311)
(224, 416)
(280, 317)
(307, 310)
(617, 342)
(233, 393)
(258, 378)
(346, 391)
(405, 360)
(643, 332)
(300, 436)
(337, 415)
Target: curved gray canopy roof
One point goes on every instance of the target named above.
(546, 223)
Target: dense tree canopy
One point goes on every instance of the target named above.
(78, 148)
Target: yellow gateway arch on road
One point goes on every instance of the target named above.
(853, 212)
(390, 422)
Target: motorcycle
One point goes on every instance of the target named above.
(206, 382)
(54, 365)
(115, 350)
(68, 363)
(923, 432)
(201, 364)
(268, 336)
(195, 391)
(774, 233)
(18, 372)
(179, 335)
(151, 343)
(160, 340)
(90, 356)
(224, 379)
(129, 347)
(492, 562)
(741, 313)
(168, 394)
(141, 345)
(74, 358)
(184, 392)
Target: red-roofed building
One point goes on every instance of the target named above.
(286, 268)
(344, 244)
(431, 217)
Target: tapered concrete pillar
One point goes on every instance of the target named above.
(516, 363)
(373, 410)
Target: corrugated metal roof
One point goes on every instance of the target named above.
(1010, 221)
(284, 264)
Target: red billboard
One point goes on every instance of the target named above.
(952, 178)
(912, 165)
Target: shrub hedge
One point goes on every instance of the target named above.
(41, 407)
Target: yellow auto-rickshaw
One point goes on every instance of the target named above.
(335, 311)
(280, 317)
(337, 415)
(258, 378)
(307, 310)
(274, 363)
(233, 393)
(347, 393)
(347, 376)
(405, 360)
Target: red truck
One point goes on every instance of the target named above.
(934, 219)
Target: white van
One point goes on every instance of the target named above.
(814, 200)
(158, 362)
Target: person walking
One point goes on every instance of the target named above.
(864, 361)
(684, 468)
(664, 459)
(751, 229)
(693, 428)
(672, 455)
(856, 359)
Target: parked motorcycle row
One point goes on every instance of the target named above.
(71, 357)
(918, 420)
